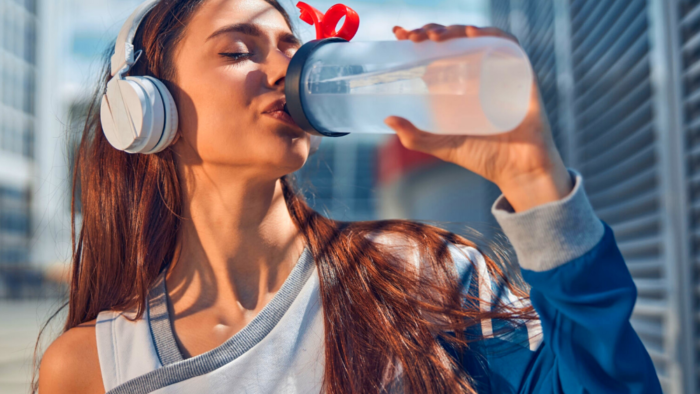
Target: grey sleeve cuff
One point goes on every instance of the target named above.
(550, 235)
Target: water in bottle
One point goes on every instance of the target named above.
(474, 86)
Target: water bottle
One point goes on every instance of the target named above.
(467, 86)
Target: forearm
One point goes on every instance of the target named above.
(584, 294)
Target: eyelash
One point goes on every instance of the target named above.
(237, 56)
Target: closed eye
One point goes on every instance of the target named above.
(236, 56)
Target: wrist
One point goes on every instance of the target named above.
(528, 190)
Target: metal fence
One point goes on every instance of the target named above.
(620, 81)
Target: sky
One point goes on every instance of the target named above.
(378, 17)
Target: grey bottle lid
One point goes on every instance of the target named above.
(293, 88)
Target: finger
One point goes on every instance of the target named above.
(473, 31)
(449, 33)
(433, 27)
(461, 31)
(409, 134)
(434, 31)
(418, 35)
(400, 33)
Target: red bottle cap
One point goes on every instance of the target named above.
(326, 24)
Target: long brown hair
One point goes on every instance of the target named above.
(381, 320)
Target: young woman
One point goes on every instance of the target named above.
(200, 269)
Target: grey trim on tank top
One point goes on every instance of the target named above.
(177, 369)
(161, 325)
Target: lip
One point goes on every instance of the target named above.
(277, 110)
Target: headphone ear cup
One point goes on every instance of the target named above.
(138, 115)
(314, 144)
(153, 116)
(170, 116)
(125, 114)
(110, 128)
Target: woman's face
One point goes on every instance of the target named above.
(230, 68)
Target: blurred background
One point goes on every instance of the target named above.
(620, 81)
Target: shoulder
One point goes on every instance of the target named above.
(71, 363)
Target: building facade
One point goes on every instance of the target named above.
(620, 84)
(340, 180)
(73, 36)
(18, 120)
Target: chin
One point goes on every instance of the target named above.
(294, 138)
(291, 155)
(290, 132)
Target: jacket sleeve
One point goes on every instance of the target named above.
(584, 295)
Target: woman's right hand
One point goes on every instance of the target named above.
(524, 163)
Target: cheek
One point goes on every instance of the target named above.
(223, 94)
(254, 80)
(220, 101)
(217, 111)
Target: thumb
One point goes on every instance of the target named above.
(409, 134)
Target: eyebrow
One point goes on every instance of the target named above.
(254, 30)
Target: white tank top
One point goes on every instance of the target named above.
(280, 351)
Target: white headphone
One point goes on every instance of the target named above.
(138, 113)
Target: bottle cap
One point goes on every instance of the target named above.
(326, 24)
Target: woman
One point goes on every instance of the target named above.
(200, 269)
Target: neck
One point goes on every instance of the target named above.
(238, 242)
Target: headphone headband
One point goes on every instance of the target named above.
(124, 47)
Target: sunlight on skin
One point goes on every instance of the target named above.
(238, 243)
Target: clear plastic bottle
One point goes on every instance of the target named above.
(472, 86)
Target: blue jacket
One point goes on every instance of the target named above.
(587, 344)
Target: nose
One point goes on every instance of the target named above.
(278, 62)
